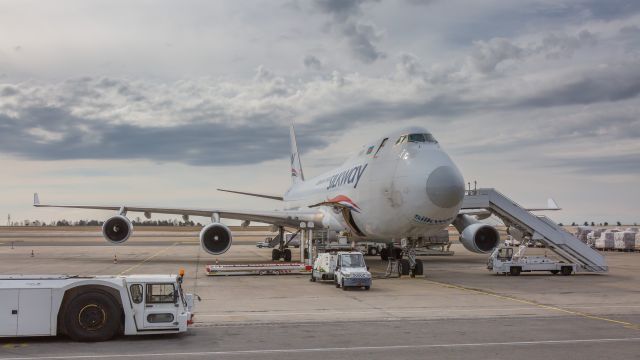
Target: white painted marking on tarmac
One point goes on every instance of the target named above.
(400, 311)
(333, 349)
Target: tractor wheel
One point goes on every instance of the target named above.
(92, 316)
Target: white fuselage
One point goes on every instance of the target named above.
(403, 189)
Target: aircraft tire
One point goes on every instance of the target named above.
(275, 254)
(287, 255)
(419, 270)
(405, 268)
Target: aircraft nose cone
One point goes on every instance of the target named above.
(445, 187)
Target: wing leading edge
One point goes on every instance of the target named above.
(275, 217)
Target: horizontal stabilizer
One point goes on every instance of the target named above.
(272, 197)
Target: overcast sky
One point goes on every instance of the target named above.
(161, 102)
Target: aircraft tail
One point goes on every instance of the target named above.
(296, 166)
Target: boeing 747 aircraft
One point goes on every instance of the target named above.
(400, 186)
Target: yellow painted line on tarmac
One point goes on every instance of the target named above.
(547, 307)
(149, 258)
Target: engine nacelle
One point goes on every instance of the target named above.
(117, 229)
(215, 238)
(476, 236)
(480, 238)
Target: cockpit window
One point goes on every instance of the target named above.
(401, 139)
(419, 138)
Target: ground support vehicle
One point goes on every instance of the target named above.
(264, 244)
(346, 269)
(503, 261)
(351, 271)
(324, 267)
(370, 248)
(93, 308)
(257, 269)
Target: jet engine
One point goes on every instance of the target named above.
(476, 236)
(215, 238)
(117, 229)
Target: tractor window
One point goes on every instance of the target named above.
(136, 293)
(160, 293)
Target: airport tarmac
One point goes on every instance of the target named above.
(458, 310)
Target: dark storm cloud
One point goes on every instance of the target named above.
(596, 9)
(601, 85)
(628, 164)
(7, 91)
(360, 36)
(312, 63)
(47, 133)
(341, 10)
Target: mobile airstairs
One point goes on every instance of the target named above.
(539, 228)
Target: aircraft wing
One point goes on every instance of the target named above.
(276, 217)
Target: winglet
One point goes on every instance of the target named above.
(36, 199)
(551, 204)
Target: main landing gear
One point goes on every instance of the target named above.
(408, 264)
(282, 252)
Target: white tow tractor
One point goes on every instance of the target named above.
(504, 261)
(93, 308)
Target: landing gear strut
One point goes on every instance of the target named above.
(281, 252)
(412, 265)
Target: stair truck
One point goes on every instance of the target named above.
(93, 308)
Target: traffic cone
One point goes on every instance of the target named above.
(32, 254)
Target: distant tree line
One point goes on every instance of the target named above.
(136, 222)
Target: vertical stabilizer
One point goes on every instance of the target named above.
(296, 166)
